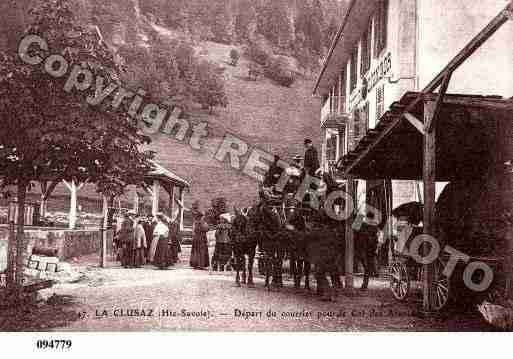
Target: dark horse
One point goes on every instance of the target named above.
(267, 226)
(244, 244)
(296, 224)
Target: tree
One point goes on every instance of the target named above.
(278, 70)
(245, 20)
(221, 23)
(49, 134)
(273, 23)
(210, 90)
(234, 57)
(309, 25)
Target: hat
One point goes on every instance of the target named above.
(307, 141)
(297, 158)
(227, 217)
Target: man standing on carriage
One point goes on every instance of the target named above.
(311, 163)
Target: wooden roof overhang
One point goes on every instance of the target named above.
(466, 137)
(167, 178)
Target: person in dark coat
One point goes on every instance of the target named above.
(311, 163)
(273, 175)
(126, 240)
(199, 251)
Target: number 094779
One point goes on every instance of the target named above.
(55, 344)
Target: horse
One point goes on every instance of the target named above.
(244, 244)
(299, 265)
(268, 227)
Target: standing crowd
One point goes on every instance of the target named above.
(147, 240)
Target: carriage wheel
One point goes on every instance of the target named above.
(440, 287)
(399, 281)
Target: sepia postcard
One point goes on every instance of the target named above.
(255, 166)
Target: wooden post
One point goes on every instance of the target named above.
(181, 207)
(429, 178)
(155, 197)
(349, 253)
(11, 255)
(136, 201)
(103, 253)
(172, 201)
(324, 157)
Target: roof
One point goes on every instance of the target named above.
(356, 18)
(467, 139)
(161, 173)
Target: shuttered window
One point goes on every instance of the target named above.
(380, 27)
(364, 118)
(366, 50)
(343, 90)
(354, 67)
(356, 125)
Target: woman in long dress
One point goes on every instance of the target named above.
(199, 251)
(162, 254)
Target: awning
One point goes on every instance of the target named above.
(466, 136)
(166, 176)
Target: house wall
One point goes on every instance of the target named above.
(423, 36)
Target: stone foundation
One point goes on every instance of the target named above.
(68, 243)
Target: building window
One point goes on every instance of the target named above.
(342, 91)
(354, 67)
(356, 125)
(364, 118)
(366, 51)
(380, 102)
(380, 27)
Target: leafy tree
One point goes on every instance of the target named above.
(234, 56)
(210, 90)
(278, 70)
(273, 23)
(221, 23)
(257, 53)
(245, 20)
(48, 134)
(309, 25)
(253, 71)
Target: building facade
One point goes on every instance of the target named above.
(385, 48)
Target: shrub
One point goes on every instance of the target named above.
(258, 54)
(253, 71)
(279, 72)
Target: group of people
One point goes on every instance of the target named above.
(147, 240)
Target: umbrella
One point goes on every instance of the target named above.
(412, 210)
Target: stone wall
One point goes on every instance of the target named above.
(69, 243)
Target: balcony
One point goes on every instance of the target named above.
(331, 117)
